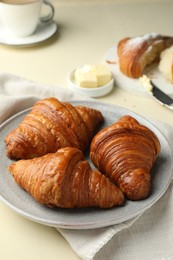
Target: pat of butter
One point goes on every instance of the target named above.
(103, 74)
(92, 76)
(145, 81)
(86, 80)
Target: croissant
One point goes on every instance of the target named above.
(136, 53)
(51, 125)
(125, 152)
(64, 179)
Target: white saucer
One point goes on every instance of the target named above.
(43, 32)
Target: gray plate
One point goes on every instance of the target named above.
(21, 202)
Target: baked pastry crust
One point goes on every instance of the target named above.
(51, 125)
(125, 152)
(64, 179)
(136, 53)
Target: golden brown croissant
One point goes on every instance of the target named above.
(51, 125)
(125, 152)
(64, 179)
(136, 53)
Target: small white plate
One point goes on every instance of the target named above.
(43, 32)
(90, 92)
(133, 85)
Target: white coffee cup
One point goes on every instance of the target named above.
(20, 18)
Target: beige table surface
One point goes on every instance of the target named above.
(86, 31)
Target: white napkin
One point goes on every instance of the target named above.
(146, 237)
(17, 94)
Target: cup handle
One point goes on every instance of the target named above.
(50, 16)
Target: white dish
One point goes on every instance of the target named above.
(133, 85)
(90, 92)
(88, 218)
(43, 32)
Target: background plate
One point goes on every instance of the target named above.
(133, 85)
(21, 202)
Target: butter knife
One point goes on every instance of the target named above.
(161, 97)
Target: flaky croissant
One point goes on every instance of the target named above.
(125, 152)
(64, 179)
(51, 125)
(136, 53)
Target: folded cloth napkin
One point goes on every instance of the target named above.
(145, 237)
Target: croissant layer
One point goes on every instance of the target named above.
(64, 179)
(51, 125)
(125, 152)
